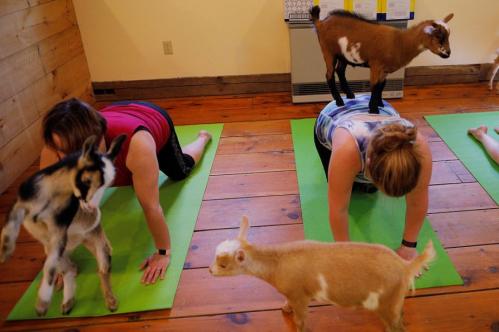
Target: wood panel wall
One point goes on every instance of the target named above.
(41, 62)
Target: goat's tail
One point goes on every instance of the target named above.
(10, 232)
(420, 262)
(315, 12)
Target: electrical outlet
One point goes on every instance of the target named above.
(167, 47)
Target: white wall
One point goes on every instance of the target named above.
(123, 38)
(474, 30)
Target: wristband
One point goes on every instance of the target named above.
(409, 244)
(163, 252)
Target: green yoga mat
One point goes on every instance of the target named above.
(453, 129)
(374, 218)
(126, 228)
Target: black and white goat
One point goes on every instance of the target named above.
(59, 206)
(349, 39)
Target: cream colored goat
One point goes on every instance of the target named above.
(347, 274)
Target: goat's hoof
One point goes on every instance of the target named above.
(68, 306)
(41, 308)
(340, 103)
(4, 256)
(287, 308)
(112, 304)
(350, 96)
(300, 328)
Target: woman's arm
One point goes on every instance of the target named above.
(143, 163)
(343, 167)
(417, 200)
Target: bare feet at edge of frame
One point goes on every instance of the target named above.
(478, 132)
(205, 135)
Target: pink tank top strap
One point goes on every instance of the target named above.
(128, 118)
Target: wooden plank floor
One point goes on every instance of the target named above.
(254, 174)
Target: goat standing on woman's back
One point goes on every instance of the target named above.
(349, 39)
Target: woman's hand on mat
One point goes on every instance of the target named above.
(154, 266)
(407, 253)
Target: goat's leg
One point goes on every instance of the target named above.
(341, 69)
(493, 73)
(55, 250)
(299, 307)
(330, 61)
(380, 96)
(68, 270)
(390, 313)
(99, 245)
(377, 84)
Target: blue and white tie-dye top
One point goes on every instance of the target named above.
(352, 117)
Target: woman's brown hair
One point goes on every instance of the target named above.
(73, 121)
(394, 162)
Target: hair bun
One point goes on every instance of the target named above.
(394, 136)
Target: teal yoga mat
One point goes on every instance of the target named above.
(374, 218)
(126, 228)
(453, 129)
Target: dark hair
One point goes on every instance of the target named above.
(73, 121)
(394, 162)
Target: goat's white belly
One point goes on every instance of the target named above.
(84, 223)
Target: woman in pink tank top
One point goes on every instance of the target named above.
(151, 145)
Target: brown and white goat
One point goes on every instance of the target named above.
(349, 39)
(348, 274)
(58, 206)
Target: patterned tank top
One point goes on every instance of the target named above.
(355, 118)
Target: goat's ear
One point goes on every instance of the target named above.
(115, 147)
(89, 146)
(243, 229)
(448, 17)
(429, 29)
(240, 256)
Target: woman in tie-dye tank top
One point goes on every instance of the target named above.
(368, 152)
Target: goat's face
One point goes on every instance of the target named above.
(230, 255)
(229, 259)
(437, 39)
(95, 171)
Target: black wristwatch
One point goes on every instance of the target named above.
(409, 244)
(163, 252)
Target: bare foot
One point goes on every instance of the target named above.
(204, 134)
(478, 132)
